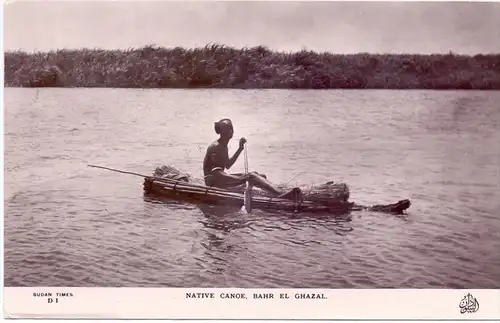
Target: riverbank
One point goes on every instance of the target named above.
(216, 66)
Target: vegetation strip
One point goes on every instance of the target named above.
(217, 66)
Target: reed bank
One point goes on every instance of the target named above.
(217, 66)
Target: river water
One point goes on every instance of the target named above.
(70, 225)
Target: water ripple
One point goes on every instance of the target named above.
(68, 225)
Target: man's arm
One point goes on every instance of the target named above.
(232, 160)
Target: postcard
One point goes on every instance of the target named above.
(251, 160)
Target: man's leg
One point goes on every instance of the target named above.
(261, 182)
(294, 194)
(243, 174)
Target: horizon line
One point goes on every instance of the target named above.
(248, 47)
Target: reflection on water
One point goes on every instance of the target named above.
(67, 224)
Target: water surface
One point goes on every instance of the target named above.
(70, 225)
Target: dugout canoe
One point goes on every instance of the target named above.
(329, 197)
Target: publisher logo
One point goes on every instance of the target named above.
(469, 304)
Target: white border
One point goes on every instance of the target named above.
(170, 303)
(152, 303)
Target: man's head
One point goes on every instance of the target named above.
(224, 128)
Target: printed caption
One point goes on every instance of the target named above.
(53, 298)
(256, 296)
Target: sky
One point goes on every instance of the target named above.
(340, 27)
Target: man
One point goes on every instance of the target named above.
(217, 160)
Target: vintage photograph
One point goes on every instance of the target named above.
(210, 144)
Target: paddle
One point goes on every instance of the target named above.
(248, 188)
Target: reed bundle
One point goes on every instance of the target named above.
(198, 192)
(326, 193)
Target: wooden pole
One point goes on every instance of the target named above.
(120, 171)
(247, 196)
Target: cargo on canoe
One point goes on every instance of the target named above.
(329, 197)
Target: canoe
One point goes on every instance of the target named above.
(330, 197)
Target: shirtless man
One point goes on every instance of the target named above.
(217, 160)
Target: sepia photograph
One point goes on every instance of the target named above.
(252, 145)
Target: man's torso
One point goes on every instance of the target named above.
(216, 156)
